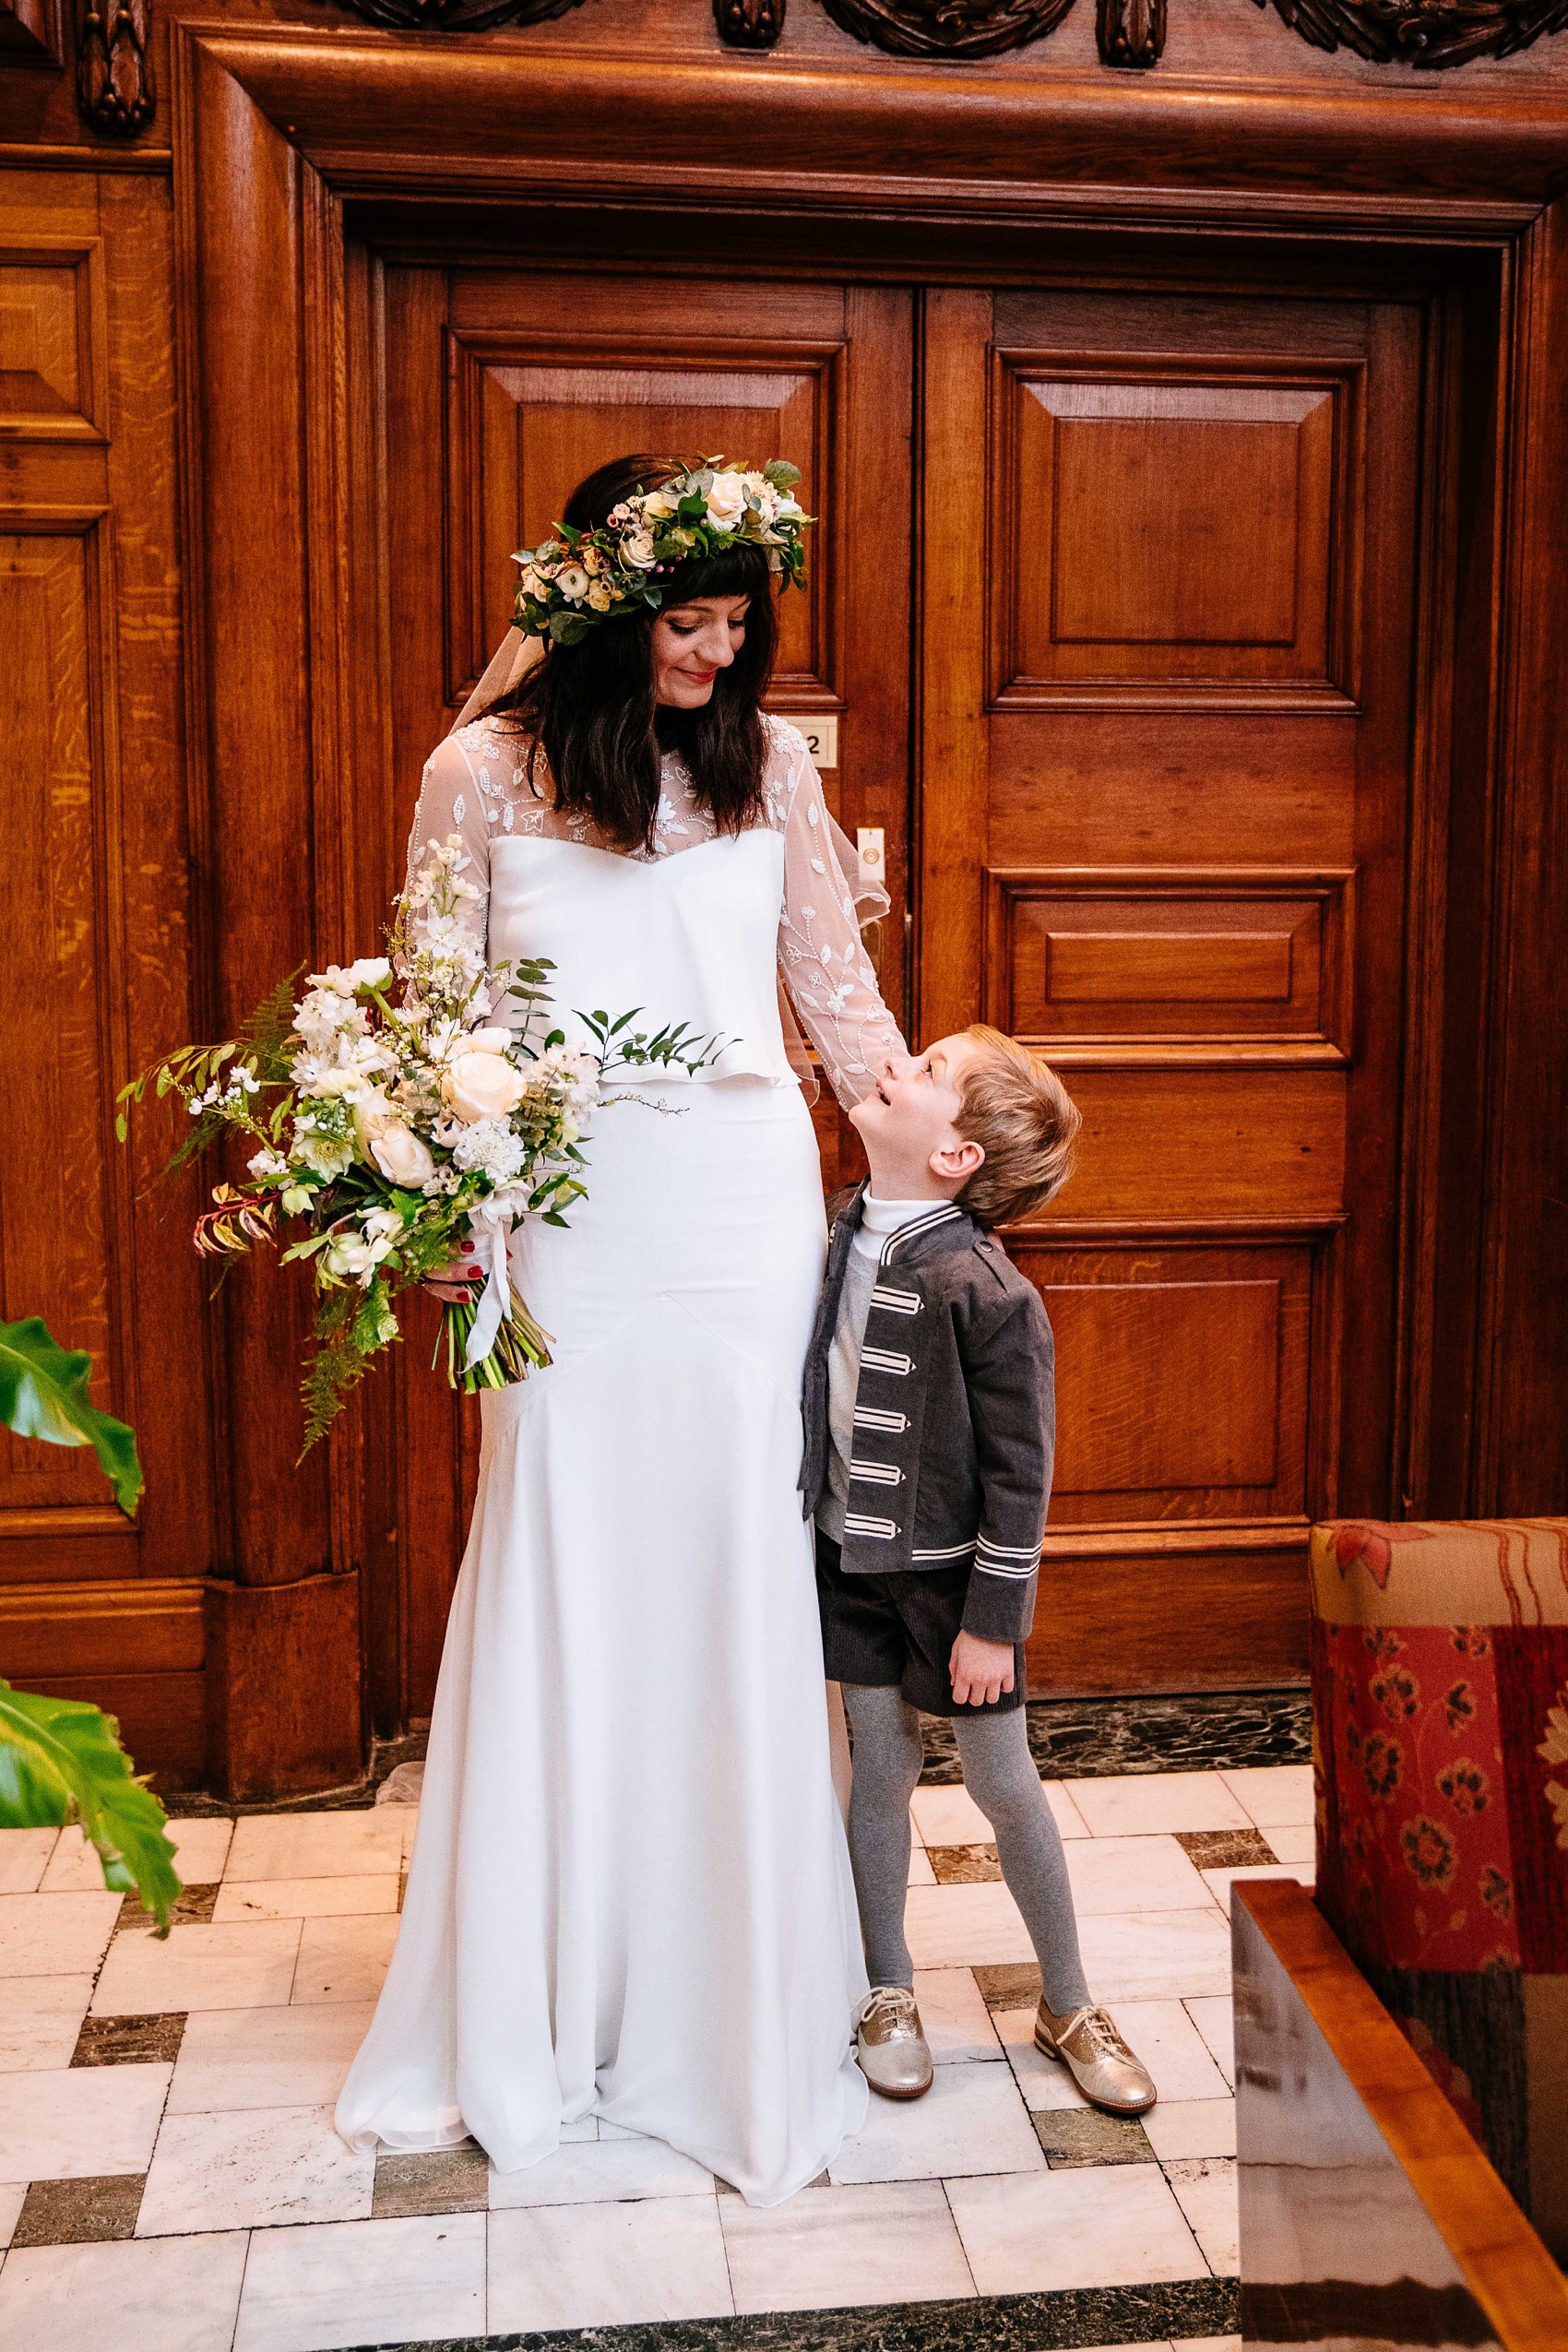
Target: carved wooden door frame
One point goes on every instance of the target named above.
(278, 132)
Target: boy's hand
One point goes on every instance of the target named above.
(980, 1671)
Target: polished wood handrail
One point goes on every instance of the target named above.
(1501, 2260)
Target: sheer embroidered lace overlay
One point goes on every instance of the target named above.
(476, 785)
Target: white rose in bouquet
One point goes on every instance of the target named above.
(726, 500)
(636, 548)
(482, 1084)
(401, 1157)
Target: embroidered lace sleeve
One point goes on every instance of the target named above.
(476, 785)
(821, 958)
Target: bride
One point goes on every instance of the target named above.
(630, 1896)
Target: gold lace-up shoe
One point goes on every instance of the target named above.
(1098, 2058)
(890, 2044)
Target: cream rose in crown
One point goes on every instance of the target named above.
(405, 1134)
(576, 579)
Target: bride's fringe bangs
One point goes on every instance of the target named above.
(591, 709)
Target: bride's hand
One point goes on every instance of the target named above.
(459, 1283)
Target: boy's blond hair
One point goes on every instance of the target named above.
(1020, 1112)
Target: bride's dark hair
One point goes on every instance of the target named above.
(591, 707)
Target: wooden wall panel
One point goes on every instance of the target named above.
(97, 979)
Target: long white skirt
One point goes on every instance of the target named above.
(630, 1894)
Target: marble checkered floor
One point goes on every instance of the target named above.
(175, 2184)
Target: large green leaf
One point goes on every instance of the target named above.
(43, 1394)
(61, 1761)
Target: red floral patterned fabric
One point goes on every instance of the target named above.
(1440, 1730)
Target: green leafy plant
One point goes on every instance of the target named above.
(60, 1759)
(43, 1394)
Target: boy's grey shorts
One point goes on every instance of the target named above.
(899, 1631)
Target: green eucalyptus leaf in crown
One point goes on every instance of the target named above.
(575, 579)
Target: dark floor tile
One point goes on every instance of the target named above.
(1097, 2315)
(1074, 2135)
(1224, 1849)
(448, 2180)
(75, 2213)
(1202, 1731)
(1011, 1985)
(130, 2041)
(193, 1908)
(963, 1865)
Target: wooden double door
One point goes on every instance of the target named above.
(1112, 614)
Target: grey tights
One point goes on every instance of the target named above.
(1000, 1775)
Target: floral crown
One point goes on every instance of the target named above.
(575, 579)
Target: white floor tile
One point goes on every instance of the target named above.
(1142, 1804)
(199, 1848)
(12, 2193)
(198, 1967)
(921, 1871)
(128, 2296)
(949, 1817)
(250, 2058)
(80, 2120)
(1047, 2086)
(318, 1844)
(1210, 2344)
(956, 2021)
(264, 2165)
(23, 1854)
(600, 2172)
(364, 2282)
(1149, 1956)
(887, 2242)
(1171, 2048)
(1272, 1795)
(1219, 1883)
(54, 1935)
(40, 2019)
(1204, 2188)
(965, 1927)
(1191, 2128)
(1292, 1842)
(1069, 1820)
(307, 1898)
(1214, 2020)
(601, 2266)
(1106, 2226)
(971, 2119)
(1132, 1874)
(343, 1959)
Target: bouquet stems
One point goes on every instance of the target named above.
(519, 1348)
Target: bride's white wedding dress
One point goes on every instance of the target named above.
(630, 1896)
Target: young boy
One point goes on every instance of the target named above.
(930, 1425)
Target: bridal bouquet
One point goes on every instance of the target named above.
(400, 1138)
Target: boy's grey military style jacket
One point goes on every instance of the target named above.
(955, 1414)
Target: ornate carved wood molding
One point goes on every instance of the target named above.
(951, 29)
(459, 16)
(114, 91)
(1130, 32)
(749, 24)
(1422, 33)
